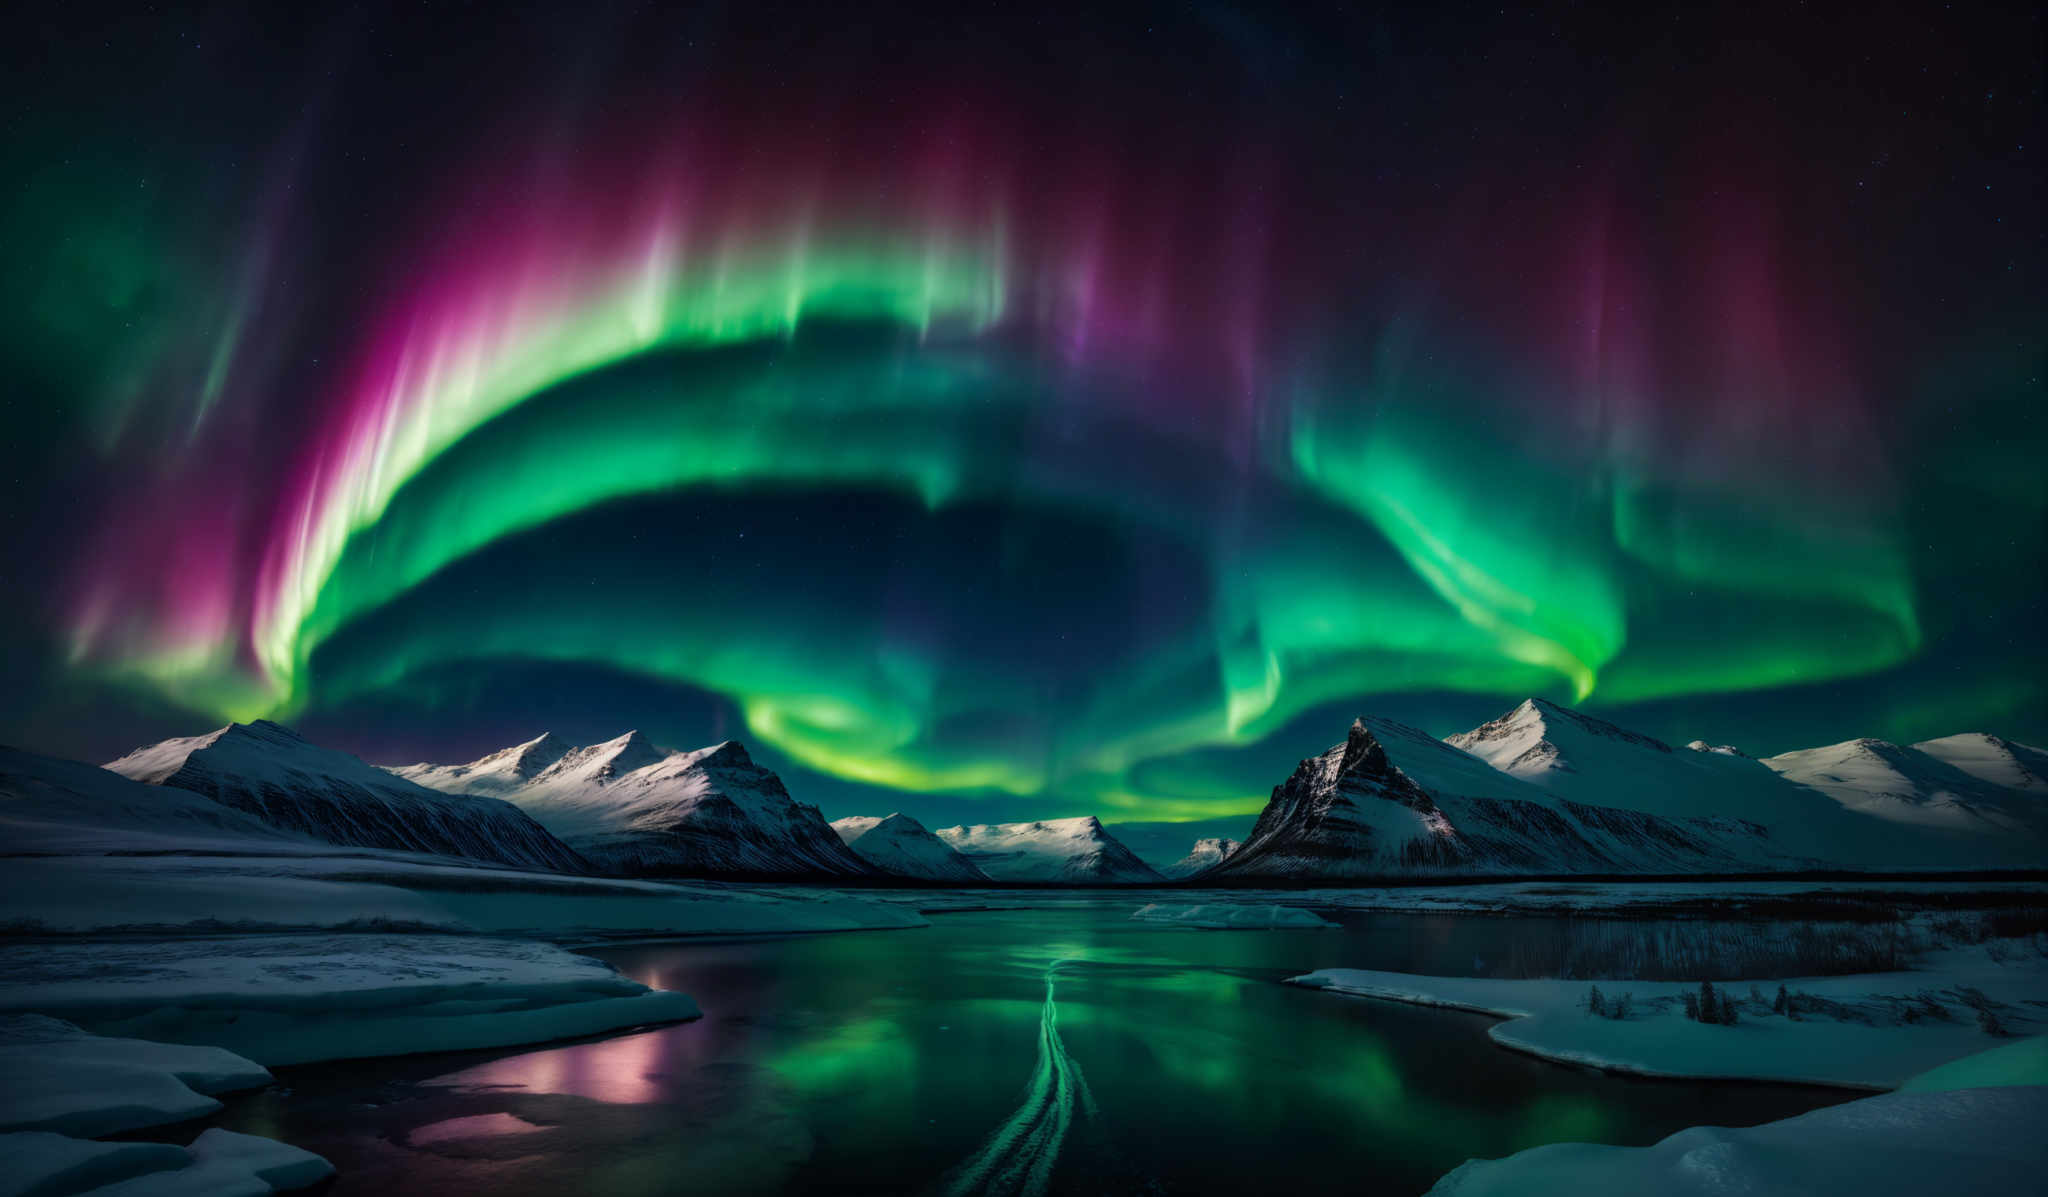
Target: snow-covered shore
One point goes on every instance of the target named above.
(64, 1085)
(293, 999)
(219, 1163)
(1971, 1127)
(194, 945)
(1871, 1031)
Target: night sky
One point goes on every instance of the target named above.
(1004, 413)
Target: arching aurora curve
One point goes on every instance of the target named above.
(1334, 515)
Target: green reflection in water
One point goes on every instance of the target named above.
(1020, 1155)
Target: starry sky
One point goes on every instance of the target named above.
(1014, 412)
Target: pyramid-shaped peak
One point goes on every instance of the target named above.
(1539, 722)
(529, 758)
(628, 752)
(727, 753)
(1362, 751)
(601, 762)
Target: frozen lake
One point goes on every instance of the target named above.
(1168, 1060)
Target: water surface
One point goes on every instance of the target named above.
(1062, 1049)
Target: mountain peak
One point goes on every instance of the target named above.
(1539, 736)
(728, 753)
(1363, 753)
(615, 757)
(528, 759)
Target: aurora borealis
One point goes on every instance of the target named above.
(1026, 414)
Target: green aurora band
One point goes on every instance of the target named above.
(1082, 585)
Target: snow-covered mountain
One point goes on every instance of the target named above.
(1208, 851)
(1913, 786)
(506, 769)
(1991, 758)
(268, 771)
(1592, 761)
(1076, 851)
(50, 806)
(636, 810)
(1393, 801)
(901, 846)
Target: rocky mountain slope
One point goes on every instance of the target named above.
(268, 771)
(1393, 801)
(635, 810)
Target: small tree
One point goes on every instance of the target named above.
(1594, 1004)
(1988, 1023)
(1710, 1005)
(1782, 1004)
(1620, 1009)
(1728, 1004)
(1692, 1005)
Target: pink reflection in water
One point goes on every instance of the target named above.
(626, 1071)
(476, 1126)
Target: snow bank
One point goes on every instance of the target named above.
(59, 1078)
(1886, 1027)
(342, 890)
(1231, 916)
(218, 1164)
(2022, 1063)
(1955, 1141)
(296, 999)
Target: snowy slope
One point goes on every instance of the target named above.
(1906, 785)
(1207, 852)
(1895, 1145)
(266, 770)
(1076, 851)
(506, 769)
(635, 810)
(901, 846)
(1591, 761)
(1394, 801)
(57, 807)
(1994, 759)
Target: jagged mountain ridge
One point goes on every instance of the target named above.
(633, 809)
(1591, 761)
(1393, 801)
(1075, 851)
(269, 771)
(902, 847)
